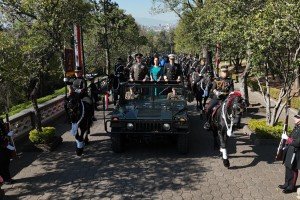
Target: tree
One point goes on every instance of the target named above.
(275, 47)
(39, 30)
(112, 33)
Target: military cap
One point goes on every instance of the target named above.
(171, 55)
(78, 69)
(297, 115)
(224, 69)
(138, 55)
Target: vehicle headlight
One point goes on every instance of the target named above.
(130, 126)
(182, 119)
(166, 127)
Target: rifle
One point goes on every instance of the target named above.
(279, 154)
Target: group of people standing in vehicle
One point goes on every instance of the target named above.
(153, 69)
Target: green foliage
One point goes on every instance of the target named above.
(113, 30)
(31, 47)
(253, 85)
(264, 131)
(42, 137)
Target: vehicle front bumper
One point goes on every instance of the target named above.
(148, 127)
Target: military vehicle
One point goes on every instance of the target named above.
(149, 109)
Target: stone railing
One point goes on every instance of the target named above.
(23, 122)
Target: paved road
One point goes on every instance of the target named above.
(153, 171)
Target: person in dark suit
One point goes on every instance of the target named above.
(172, 70)
(6, 152)
(291, 157)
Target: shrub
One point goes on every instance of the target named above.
(264, 131)
(42, 137)
(253, 85)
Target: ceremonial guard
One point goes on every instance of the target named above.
(6, 152)
(221, 88)
(291, 157)
(139, 71)
(172, 70)
(79, 87)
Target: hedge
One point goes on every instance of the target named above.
(264, 131)
(274, 92)
(42, 137)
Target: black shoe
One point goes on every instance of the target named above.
(288, 191)
(282, 187)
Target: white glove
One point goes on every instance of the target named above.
(10, 133)
(218, 93)
(284, 136)
(10, 147)
(78, 91)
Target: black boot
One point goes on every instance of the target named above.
(226, 163)
(284, 186)
(79, 151)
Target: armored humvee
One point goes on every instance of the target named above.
(149, 109)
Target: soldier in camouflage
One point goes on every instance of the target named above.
(138, 71)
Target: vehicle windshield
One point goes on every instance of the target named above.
(154, 92)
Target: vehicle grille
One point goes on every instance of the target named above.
(148, 126)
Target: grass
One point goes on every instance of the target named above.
(18, 108)
(264, 131)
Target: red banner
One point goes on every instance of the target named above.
(218, 57)
(78, 46)
(69, 63)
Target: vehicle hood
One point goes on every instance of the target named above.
(158, 110)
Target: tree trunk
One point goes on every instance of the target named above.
(107, 61)
(276, 109)
(297, 81)
(268, 98)
(244, 82)
(33, 98)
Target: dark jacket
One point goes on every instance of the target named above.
(4, 139)
(172, 71)
(294, 146)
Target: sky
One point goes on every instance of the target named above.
(141, 11)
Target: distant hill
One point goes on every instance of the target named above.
(153, 22)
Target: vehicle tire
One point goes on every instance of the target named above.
(183, 143)
(117, 142)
